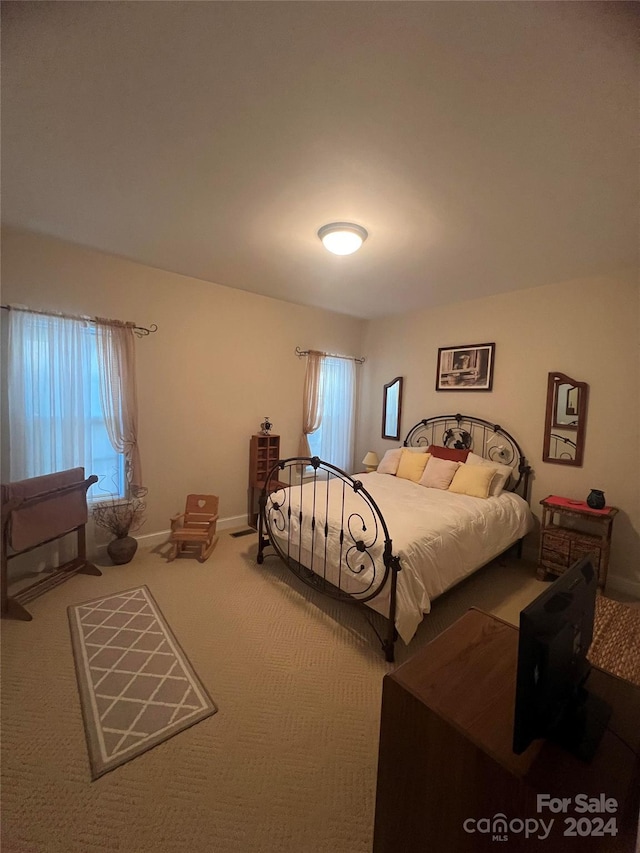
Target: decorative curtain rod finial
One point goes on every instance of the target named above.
(141, 332)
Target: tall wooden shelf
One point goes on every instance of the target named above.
(264, 452)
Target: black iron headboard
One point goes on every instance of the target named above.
(465, 432)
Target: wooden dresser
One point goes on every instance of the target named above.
(446, 762)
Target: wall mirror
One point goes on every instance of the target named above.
(392, 409)
(565, 420)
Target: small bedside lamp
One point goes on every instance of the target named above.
(370, 461)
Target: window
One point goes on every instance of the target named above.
(333, 440)
(56, 419)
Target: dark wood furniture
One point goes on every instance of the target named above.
(264, 452)
(571, 529)
(38, 511)
(445, 752)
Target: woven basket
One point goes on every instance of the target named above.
(616, 639)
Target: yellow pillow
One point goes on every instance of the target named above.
(412, 465)
(473, 480)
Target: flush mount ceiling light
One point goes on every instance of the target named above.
(342, 238)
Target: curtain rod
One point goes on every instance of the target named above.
(301, 352)
(140, 331)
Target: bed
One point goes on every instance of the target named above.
(390, 543)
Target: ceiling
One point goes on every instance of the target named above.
(485, 146)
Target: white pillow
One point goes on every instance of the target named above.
(500, 479)
(422, 449)
(390, 461)
(438, 473)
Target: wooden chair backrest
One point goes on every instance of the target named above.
(198, 510)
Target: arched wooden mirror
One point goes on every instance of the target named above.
(565, 421)
(392, 409)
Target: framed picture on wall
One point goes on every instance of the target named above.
(465, 368)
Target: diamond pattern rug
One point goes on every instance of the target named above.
(137, 687)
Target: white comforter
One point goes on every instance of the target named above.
(440, 537)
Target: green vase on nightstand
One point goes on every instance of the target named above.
(596, 499)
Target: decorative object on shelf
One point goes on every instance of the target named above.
(596, 499)
(371, 461)
(266, 426)
(392, 409)
(342, 238)
(465, 368)
(122, 516)
(565, 420)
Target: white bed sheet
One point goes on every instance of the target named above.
(440, 537)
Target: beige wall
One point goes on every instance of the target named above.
(588, 329)
(220, 361)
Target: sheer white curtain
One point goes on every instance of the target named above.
(51, 361)
(334, 439)
(56, 419)
(48, 429)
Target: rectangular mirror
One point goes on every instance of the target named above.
(565, 420)
(392, 409)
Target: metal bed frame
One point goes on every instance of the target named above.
(364, 539)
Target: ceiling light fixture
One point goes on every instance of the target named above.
(342, 238)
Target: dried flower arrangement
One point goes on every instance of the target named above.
(121, 516)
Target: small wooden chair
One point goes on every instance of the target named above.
(195, 526)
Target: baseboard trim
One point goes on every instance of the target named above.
(233, 521)
(151, 540)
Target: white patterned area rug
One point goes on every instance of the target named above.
(137, 687)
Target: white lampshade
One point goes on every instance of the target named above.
(371, 461)
(342, 238)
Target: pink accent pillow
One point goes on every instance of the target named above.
(439, 473)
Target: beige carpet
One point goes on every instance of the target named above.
(289, 761)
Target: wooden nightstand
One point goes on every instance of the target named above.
(570, 530)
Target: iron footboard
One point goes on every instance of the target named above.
(329, 531)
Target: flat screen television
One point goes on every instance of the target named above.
(552, 702)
